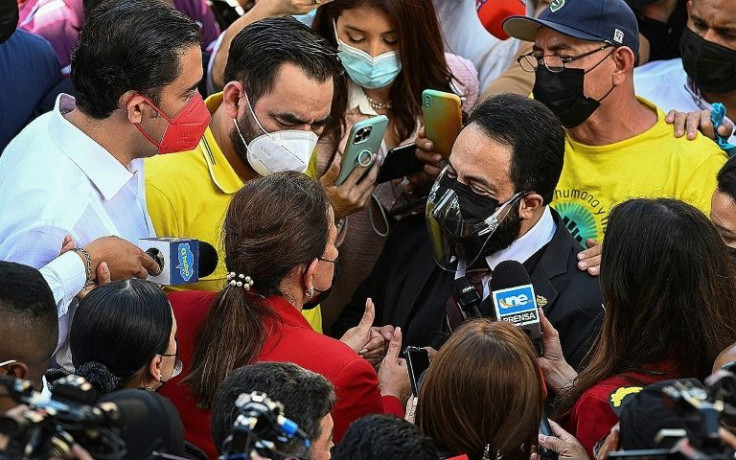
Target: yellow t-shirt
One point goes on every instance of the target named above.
(654, 164)
(188, 194)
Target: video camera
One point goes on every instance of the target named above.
(703, 411)
(49, 427)
(259, 430)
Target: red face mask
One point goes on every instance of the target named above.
(185, 129)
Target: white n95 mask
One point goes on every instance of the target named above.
(287, 150)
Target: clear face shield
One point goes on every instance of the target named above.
(456, 234)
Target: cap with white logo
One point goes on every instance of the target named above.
(610, 21)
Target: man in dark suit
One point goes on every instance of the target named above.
(506, 161)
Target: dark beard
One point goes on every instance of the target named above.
(506, 233)
(249, 131)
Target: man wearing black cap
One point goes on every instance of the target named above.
(618, 146)
(706, 73)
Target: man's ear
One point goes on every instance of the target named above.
(134, 106)
(233, 98)
(19, 370)
(625, 61)
(529, 205)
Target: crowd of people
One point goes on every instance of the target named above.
(593, 154)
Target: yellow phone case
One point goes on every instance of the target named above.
(442, 119)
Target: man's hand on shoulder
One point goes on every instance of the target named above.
(692, 122)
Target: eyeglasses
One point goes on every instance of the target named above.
(8, 362)
(327, 260)
(529, 62)
(178, 365)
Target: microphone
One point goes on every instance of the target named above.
(182, 260)
(514, 300)
(466, 297)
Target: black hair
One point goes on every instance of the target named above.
(260, 49)
(669, 288)
(727, 178)
(28, 313)
(535, 136)
(377, 437)
(120, 326)
(129, 45)
(307, 398)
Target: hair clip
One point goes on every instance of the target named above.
(240, 280)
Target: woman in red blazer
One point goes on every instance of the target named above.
(279, 238)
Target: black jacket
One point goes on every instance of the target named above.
(411, 291)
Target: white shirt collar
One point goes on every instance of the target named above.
(102, 169)
(528, 245)
(358, 100)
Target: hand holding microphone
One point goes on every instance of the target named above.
(178, 260)
(102, 271)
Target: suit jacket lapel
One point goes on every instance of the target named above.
(553, 262)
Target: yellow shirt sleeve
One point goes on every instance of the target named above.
(162, 211)
(312, 167)
(699, 188)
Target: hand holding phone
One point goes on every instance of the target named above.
(363, 145)
(442, 119)
(417, 361)
(399, 162)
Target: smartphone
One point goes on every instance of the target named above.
(363, 145)
(417, 361)
(442, 119)
(399, 162)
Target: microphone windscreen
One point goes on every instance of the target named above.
(463, 290)
(207, 259)
(508, 274)
(155, 427)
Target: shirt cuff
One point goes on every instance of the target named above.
(66, 276)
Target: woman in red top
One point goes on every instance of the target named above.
(279, 238)
(669, 289)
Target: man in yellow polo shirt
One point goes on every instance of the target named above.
(277, 102)
(618, 145)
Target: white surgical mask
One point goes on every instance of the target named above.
(287, 150)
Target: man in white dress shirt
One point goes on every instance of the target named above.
(76, 171)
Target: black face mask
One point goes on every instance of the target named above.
(8, 19)
(473, 207)
(318, 299)
(711, 66)
(563, 93)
